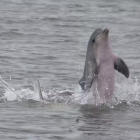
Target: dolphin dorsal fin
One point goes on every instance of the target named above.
(120, 66)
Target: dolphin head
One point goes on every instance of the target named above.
(102, 40)
(99, 37)
(99, 40)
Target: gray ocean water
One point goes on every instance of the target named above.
(47, 40)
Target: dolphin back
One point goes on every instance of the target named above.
(90, 67)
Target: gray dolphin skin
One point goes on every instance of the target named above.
(99, 74)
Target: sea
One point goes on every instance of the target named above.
(44, 42)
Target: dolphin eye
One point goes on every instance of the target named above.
(93, 40)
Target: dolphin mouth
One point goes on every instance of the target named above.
(105, 31)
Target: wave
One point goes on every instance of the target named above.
(13, 34)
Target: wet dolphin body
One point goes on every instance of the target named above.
(99, 74)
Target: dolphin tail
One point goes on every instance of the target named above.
(121, 67)
(40, 91)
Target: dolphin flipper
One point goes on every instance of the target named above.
(88, 76)
(86, 83)
(120, 66)
(82, 82)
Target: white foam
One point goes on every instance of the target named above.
(18, 94)
(128, 91)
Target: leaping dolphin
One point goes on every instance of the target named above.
(99, 75)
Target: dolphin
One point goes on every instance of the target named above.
(99, 74)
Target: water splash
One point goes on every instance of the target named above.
(18, 93)
(127, 91)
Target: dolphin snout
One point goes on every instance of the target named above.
(106, 31)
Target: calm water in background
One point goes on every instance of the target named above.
(47, 40)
